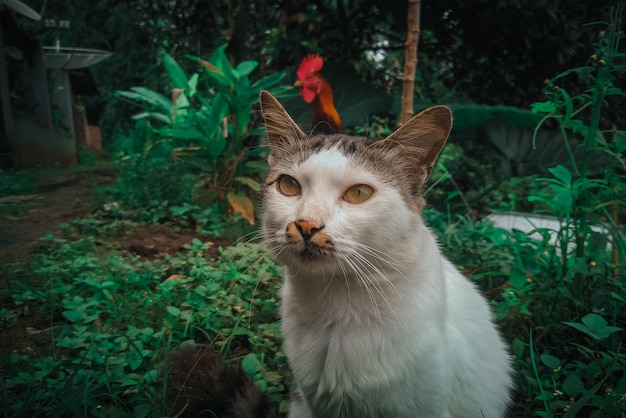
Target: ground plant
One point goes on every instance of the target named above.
(105, 325)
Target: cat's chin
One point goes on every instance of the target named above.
(307, 256)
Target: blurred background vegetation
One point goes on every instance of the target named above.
(487, 52)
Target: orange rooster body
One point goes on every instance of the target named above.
(316, 90)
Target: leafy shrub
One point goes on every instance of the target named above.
(207, 122)
(560, 298)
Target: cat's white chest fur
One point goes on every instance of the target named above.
(432, 347)
(376, 322)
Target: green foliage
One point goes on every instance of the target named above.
(15, 183)
(207, 122)
(113, 320)
(561, 295)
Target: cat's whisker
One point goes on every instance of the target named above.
(364, 281)
(378, 254)
(345, 278)
(255, 235)
(375, 254)
(269, 250)
(365, 265)
(236, 279)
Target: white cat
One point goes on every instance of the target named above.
(376, 322)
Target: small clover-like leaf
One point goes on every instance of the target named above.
(550, 361)
(251, 364)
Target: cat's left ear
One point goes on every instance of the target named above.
(420, 140)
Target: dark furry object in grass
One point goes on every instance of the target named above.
(200, 384)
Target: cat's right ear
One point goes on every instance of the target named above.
(281, 128)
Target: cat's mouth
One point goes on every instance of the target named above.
(310, 241)
(313, 252)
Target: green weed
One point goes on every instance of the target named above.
(110, 323)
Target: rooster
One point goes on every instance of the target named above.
(316, 90)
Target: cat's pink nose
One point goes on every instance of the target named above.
(307, 229)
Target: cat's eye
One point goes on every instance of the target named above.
(288, 186)
(358, 194)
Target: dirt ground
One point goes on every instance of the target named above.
(62, 197)
(66, 195)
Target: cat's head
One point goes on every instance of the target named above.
(340, 202)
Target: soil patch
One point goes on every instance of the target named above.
(62, 196)
(155, 241)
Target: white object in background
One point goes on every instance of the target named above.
(21, 8)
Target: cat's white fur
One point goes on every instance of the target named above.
(386, 326)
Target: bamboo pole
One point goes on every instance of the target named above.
(410, 59)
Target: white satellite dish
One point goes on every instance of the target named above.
(21, 8)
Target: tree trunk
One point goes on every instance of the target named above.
(410, 60)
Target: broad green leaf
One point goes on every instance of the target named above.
(173, 310)
(209, 130)
(177, 75)
(216, 147)
(543, 107)
(517, 277)
(179, 210)
(594, 326)
(618, 297)
(573, 386)
(550, 361)
(563, 200)
(151, 376)
(576, 125)
(246, 67)
(163, 102)
(581, 327)
(594, 321)
(181, 102)
(612, 91)
(220, 81)
(240, 331)
(219, 59)
(193, 84)
(219, 112)
(73, 316)
(180, 133)
(562, 174)
(243, 120)
(269, 81)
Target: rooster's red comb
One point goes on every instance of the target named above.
(310, 64)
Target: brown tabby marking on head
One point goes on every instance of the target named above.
(404, 159)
